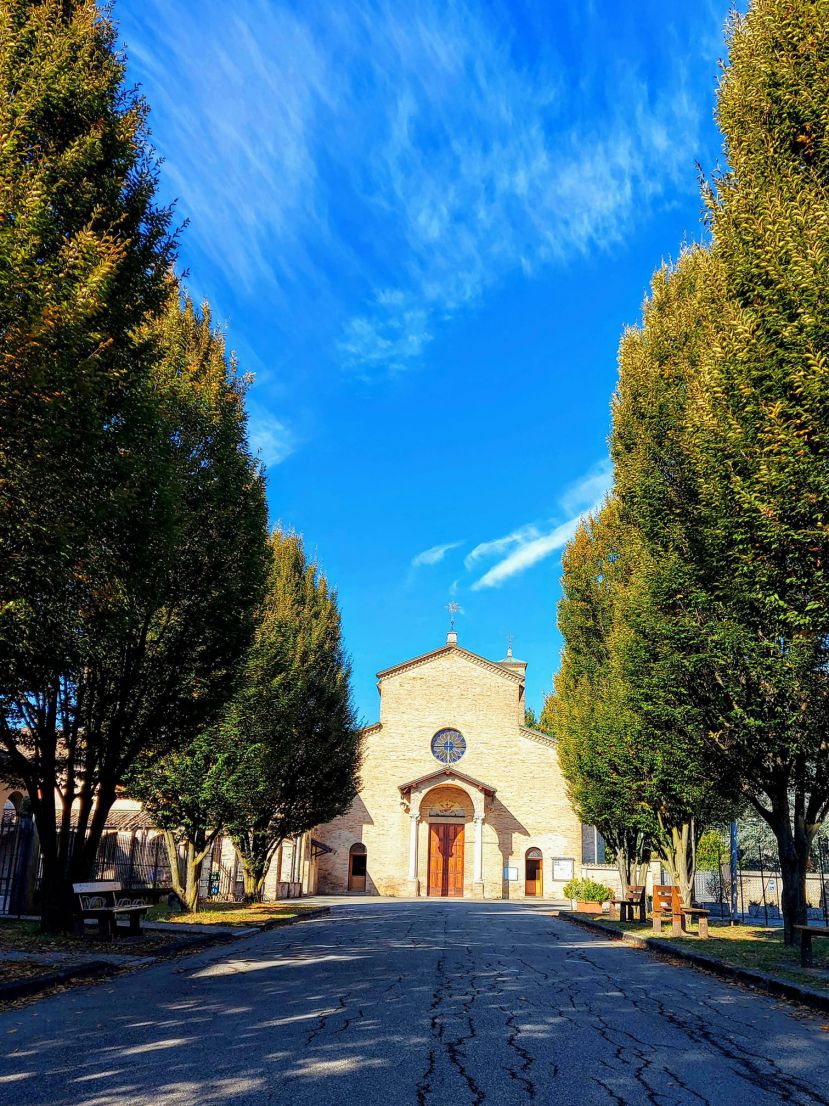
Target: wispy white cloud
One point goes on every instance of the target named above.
(237, 93)
(385, 165)
(497, 546)
(434, 555)
(272, 440)
(588, 489)
(491, 166)
(528, 554)
(534, 542)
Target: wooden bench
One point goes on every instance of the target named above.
(106, 902)
(667, 904)
(701, 916)
(667, 907)
(806, 935)
(634, 899)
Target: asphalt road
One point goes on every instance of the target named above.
(425, 1003)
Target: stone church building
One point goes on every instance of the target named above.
(459, 797)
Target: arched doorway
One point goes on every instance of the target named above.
(533, 873)
(446, 809)
(357, 867)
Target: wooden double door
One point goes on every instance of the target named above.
(446, 859)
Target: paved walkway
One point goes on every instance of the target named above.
(414, 1004)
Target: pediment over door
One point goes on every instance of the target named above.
(480, 793)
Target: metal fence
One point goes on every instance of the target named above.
(222, 879)
(134, 860)
(17, 844)
(758, 891)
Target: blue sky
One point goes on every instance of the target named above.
(424, 227)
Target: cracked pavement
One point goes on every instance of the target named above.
(428, 1003)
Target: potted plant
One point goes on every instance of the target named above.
(587, 895)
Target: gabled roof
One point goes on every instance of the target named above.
(445, 650)
(537, 735)
(447, 774)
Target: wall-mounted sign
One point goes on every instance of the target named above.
(511, 874)
(563, 868)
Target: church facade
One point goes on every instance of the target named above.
(459, 798)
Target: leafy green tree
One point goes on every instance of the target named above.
(184, 794)
(762, 428)
(713, 850)
(178, 571)
(635, 769)
(666, 619)
(84, 256)
(291, 733)
(586, 710)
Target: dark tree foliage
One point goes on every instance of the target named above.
(290, 734)
(132, 518)
(763, 419)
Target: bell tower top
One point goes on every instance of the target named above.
(452, 636)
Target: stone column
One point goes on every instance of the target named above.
(414, 882)
(478, 870)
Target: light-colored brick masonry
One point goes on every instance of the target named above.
(485, 701)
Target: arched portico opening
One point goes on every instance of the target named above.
(533, 873)
(357, 867)
(13, 802)
(446, 809)
(462, 795)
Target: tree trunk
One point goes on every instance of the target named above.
(194, 862)
(253, 882)
(186, 871)
(679, 854)
(793, 844)
(794, 836)
(57, 896)
(623, 868)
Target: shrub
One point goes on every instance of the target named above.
(587, 890)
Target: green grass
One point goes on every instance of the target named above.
(749, 947)
(230, 913)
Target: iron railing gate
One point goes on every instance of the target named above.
(17, 840)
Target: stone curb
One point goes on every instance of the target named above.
(20, 988)
(302, 916)
(97, 969)
(778, 988)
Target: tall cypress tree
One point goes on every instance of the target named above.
(293, 746)
(762, 413)
(84, 256)
(587, 710)
(132, 518)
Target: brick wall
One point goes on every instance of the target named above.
(530, 807)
